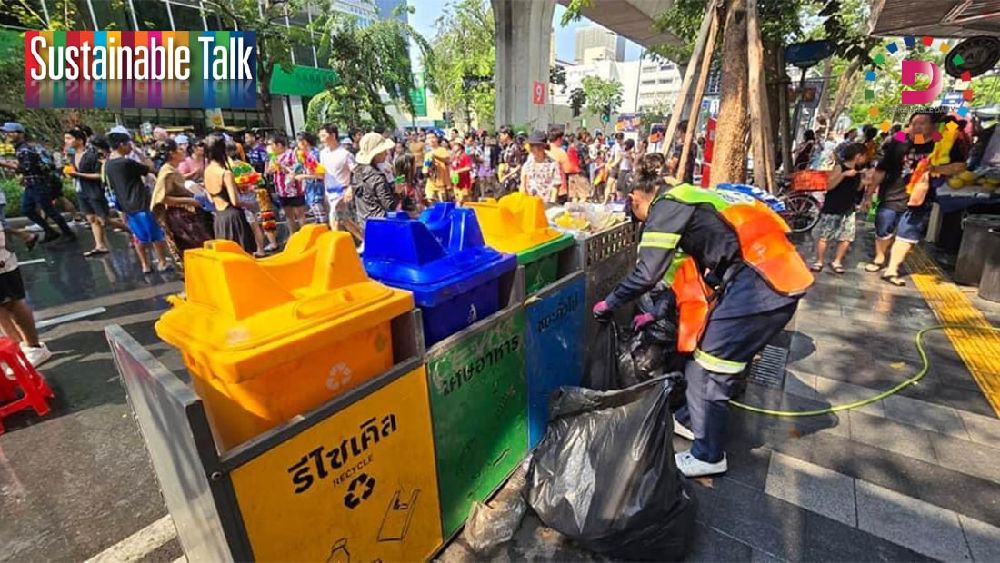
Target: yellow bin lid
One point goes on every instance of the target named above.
(236, 303)
(515, 223)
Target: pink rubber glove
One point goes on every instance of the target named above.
(641, 320)
(602, 312)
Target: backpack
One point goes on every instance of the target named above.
(49, 169)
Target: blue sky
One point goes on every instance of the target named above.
(427, 11)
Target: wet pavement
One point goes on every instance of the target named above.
(78, 480)
(908, 478)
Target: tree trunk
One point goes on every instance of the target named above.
(729, 158)
(760, 115)
(264, 79)
(699, 95)
(774, 77)
(845, 87)
(696, 55)
(824, 100)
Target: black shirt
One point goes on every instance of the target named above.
(90, 163)
(840, 200)
(127, 179)
(900, 160)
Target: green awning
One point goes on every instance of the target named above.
(302, 80)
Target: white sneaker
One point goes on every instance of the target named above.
(37, 356)
(33, 228)
(691, 466)
(683, 431)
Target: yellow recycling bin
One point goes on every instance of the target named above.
(266, 340)
(517, 224)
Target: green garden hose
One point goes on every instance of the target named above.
(918, 340)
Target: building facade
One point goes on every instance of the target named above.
(595, 43)
(647, 85)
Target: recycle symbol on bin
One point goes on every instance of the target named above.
(339, 376)
(360, 489)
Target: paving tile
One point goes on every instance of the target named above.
(769, 525)
(801, 384)
(712, 545)
(925, 415)
(972, 496)
(891, 435)
(839, 392)
(812, 487)
(967, 457)
(984, 539)
(982, 429)
(827, 540)
(921, 526)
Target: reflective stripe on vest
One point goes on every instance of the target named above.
(761, 233)
(717, 364)
(664, 241)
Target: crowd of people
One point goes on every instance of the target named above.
(894, 176)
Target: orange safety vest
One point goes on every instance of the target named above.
(691, 295)
(763, 245)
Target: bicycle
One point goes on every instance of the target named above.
(802, 208)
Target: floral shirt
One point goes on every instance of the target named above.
(284, 184)
(542, 179)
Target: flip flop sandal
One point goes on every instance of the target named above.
(873, 267)
(816, 267)
(837, 269)
(895, 280)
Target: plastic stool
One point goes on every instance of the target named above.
(35, 392)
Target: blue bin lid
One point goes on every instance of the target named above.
(437, 256)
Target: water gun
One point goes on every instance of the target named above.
(873, 210)
(942, 148)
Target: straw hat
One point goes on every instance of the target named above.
(371, 145)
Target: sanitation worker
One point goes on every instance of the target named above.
(755, 279)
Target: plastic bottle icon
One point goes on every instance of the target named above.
(339, 553)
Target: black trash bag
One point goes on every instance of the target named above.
(601, 365)
(660, 298)
(604, 474)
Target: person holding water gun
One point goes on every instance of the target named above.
(907, 179)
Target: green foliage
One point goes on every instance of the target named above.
(369, 60)
(601, 95)
(12, 189)
(577, 99)
(557, 77)
(780, 21)
(465, 47)
(574, 11)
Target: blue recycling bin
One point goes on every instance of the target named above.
(442, 259)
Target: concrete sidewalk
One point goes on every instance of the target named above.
(911, 477)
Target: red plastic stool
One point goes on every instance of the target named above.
(35, 392)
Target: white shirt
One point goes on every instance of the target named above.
(338, 164)
(8, 260)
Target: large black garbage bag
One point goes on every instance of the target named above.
(604, 474)
(601, 364)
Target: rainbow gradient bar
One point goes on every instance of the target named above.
(140, 69)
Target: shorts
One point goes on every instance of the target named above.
(907, 226)
(294, 201)
(336, 204)
(834, 226)
(93, 204)
(144, 227)
(11, 286)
